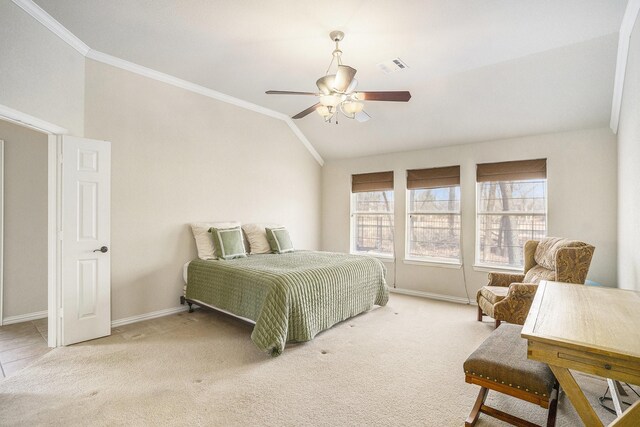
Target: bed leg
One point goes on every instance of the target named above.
(182, 300)
(190, 307)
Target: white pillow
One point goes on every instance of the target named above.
(204, 240)
(257, 237)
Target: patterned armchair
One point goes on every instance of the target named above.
(508, 297)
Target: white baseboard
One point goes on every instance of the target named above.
(147, 316)
(24, 317)
(430, 295)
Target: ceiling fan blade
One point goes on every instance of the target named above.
(398, 96)
(287, 92)
(306, 112)
(362, 116)
(344, 75)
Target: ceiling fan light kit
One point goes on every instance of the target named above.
(352, 107)
(337, 91)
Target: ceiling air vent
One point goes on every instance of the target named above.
(392, 65)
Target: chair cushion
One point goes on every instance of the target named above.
(538, 273)
(502, 358)
(494, 293)
(545, 254)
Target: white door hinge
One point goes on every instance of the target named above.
(60, 312)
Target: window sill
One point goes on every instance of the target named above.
(383, 258)
(491, 268)
(431, 263)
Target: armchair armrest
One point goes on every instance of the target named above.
(515, 307)
(522, 290)
(504, 279)
(572, 264)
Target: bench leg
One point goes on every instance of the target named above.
(553, 406)
(475, 411)
(479, 314)
(497, 323)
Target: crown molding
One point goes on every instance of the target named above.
(58, 29)
(54, 26)
(183, 84)
(201, 90)
(626, 28)
(25, 119)
(289, 121)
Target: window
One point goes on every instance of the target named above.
(512, 208)
(372, 214)
(433, 223)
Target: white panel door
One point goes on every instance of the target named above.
(86, 238)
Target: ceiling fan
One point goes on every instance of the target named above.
(337, 91)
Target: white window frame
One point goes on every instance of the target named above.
(429, 259)
(352, 228)
(483, 266)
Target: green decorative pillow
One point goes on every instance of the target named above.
(229, 242)
(279, 240)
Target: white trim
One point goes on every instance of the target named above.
(383, 258)
(304, 140)
(626, 28)
(24, 119)
(148, 316)
(58, 29)
(54, 26)
(54, 268)
(1, 230)
(431, 263)
(54, 194)
(201, 90)
(183, 84)
(440, 297)
(490, 268)
(24, 317)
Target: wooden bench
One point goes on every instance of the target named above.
(501, 364)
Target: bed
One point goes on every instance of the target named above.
(290, 297)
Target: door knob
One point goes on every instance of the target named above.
(103, 249)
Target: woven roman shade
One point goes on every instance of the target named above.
(433, 177)
(377, 181)
(512, 171)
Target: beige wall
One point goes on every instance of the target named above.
(25, 220)
(179, 157)
(40, 74)
(582, 169)
(629, 171)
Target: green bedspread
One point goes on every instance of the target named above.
(291, 297)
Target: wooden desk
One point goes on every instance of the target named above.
(588, 329)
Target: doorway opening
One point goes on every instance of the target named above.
(52, 134)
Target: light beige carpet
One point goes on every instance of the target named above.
(396, 365)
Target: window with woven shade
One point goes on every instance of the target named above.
(433, 215)
(372, 210)
(511, 209)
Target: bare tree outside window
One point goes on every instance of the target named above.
(509, 214)
(434, 224)
(372, 223)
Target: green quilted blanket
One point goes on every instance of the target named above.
(292, 296)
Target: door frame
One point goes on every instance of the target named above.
(1, 231)
(54, 215)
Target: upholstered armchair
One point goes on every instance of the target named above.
(508, 297)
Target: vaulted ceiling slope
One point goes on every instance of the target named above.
(479, 70)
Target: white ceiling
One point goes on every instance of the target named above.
(479, 69)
